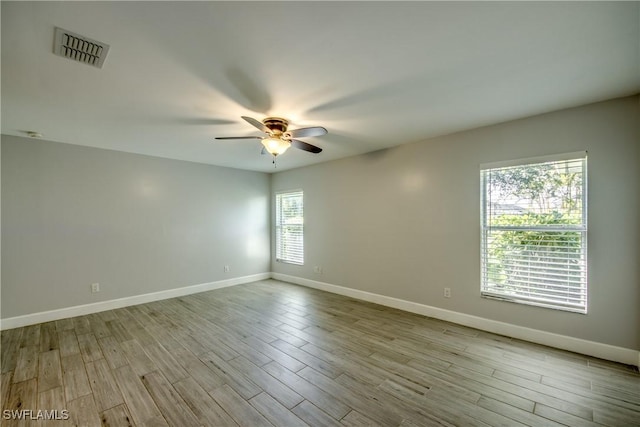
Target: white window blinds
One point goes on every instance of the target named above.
(534, 232)
(290, 227)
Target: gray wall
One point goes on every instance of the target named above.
(75, 215)
(402, 222)
(405, 222)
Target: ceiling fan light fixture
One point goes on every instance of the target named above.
(275, 146)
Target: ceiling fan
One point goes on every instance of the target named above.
(278, 138)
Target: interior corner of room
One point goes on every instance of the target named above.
(119, 188)
(393, 228)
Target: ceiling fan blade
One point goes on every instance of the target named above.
(264, 151)
(304, 146)
(238, 137)
(305, 132)
(256, 123)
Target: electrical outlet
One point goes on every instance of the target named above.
(95, 287)
(447, 292)
(317, 269)
(226, 269)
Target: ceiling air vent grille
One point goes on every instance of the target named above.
(79, 48)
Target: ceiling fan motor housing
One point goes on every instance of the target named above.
(277, 125)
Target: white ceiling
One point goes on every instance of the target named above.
(375, 74)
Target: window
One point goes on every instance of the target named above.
(534, 231)
(290, 227)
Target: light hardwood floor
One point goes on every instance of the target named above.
(271, 353)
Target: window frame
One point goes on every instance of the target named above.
(582, 228)
(280, 256)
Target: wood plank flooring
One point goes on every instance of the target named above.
(272, 353)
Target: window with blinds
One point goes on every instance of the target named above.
(290, 227)
(534, 231)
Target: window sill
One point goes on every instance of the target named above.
(284, 261)
(516, 300)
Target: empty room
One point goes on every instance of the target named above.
(329, 213)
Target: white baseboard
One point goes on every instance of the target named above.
(577, 345)
(81, 310)
(590, 348)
